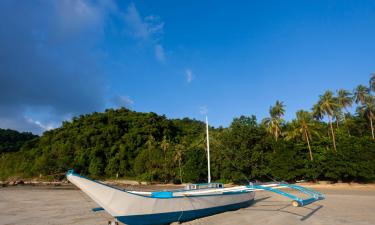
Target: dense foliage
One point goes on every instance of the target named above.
(151, 147)
(11, 140)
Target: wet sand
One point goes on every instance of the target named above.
(23, 205)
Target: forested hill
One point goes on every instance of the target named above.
(151, 147)
(11, 140)
(122, 142)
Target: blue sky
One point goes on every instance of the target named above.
(178, 58)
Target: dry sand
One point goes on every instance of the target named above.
(67, 205)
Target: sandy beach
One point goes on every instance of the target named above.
(345, 204)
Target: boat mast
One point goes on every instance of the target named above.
(208, 153)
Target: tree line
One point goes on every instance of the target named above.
(327, 142)
(11, 140)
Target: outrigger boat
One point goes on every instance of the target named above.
(194, 201)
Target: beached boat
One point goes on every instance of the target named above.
(194, 201)
(135, 207)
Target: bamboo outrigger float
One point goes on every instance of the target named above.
(194, 201)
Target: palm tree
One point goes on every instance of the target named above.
(278, 110)
(179, 149)
(360, 94)
(273, 123)
(165, 146)
(304, 128)
(338, 116)
(344, 100)
(326, 106)
(317, 112)
(372, 82)
(273, 126)
(369, 110)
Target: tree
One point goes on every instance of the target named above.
(338, 116)
(368, 108)
(273, 123)
(273, 126)
(303, 127)
(243, 149)
(344, 99)
(165, 146)
(179, 149)
(326, 106)
(360, 94)
(11, 140)
(278, 110)
(372, 82)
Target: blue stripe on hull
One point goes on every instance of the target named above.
(166, 218)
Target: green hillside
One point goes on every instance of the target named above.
(151, 147)
(11, 140)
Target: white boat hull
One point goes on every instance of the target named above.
(135, 208)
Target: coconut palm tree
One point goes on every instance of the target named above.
(338, 116)
(344, 99)
(360, 94)
(179, 149)
(368, 108)
(273, 123)
(372, 82)
(273, 126)
(326, 106)
(303, 127)
(278, 110)
(165, 147)
(317, 112)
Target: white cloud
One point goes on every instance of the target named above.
(189, 75)
(147, 29)
(20, 123)
(203, 110)
(122, 101)
(44, 127)
(136, 26)
(159, 53)
(77, 16)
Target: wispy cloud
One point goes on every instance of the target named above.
(122, 101)
(141, 28)
(149, 29)
(21, 123)
(203, 110)
(42, 126)
(159, 53)
(189, 75)
(75, 16)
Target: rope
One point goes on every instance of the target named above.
(239, 170)
(182, 210)
(233, 165)
(272, 179)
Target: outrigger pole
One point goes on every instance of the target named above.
(313, 195)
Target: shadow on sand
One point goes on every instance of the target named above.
(262, 204)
